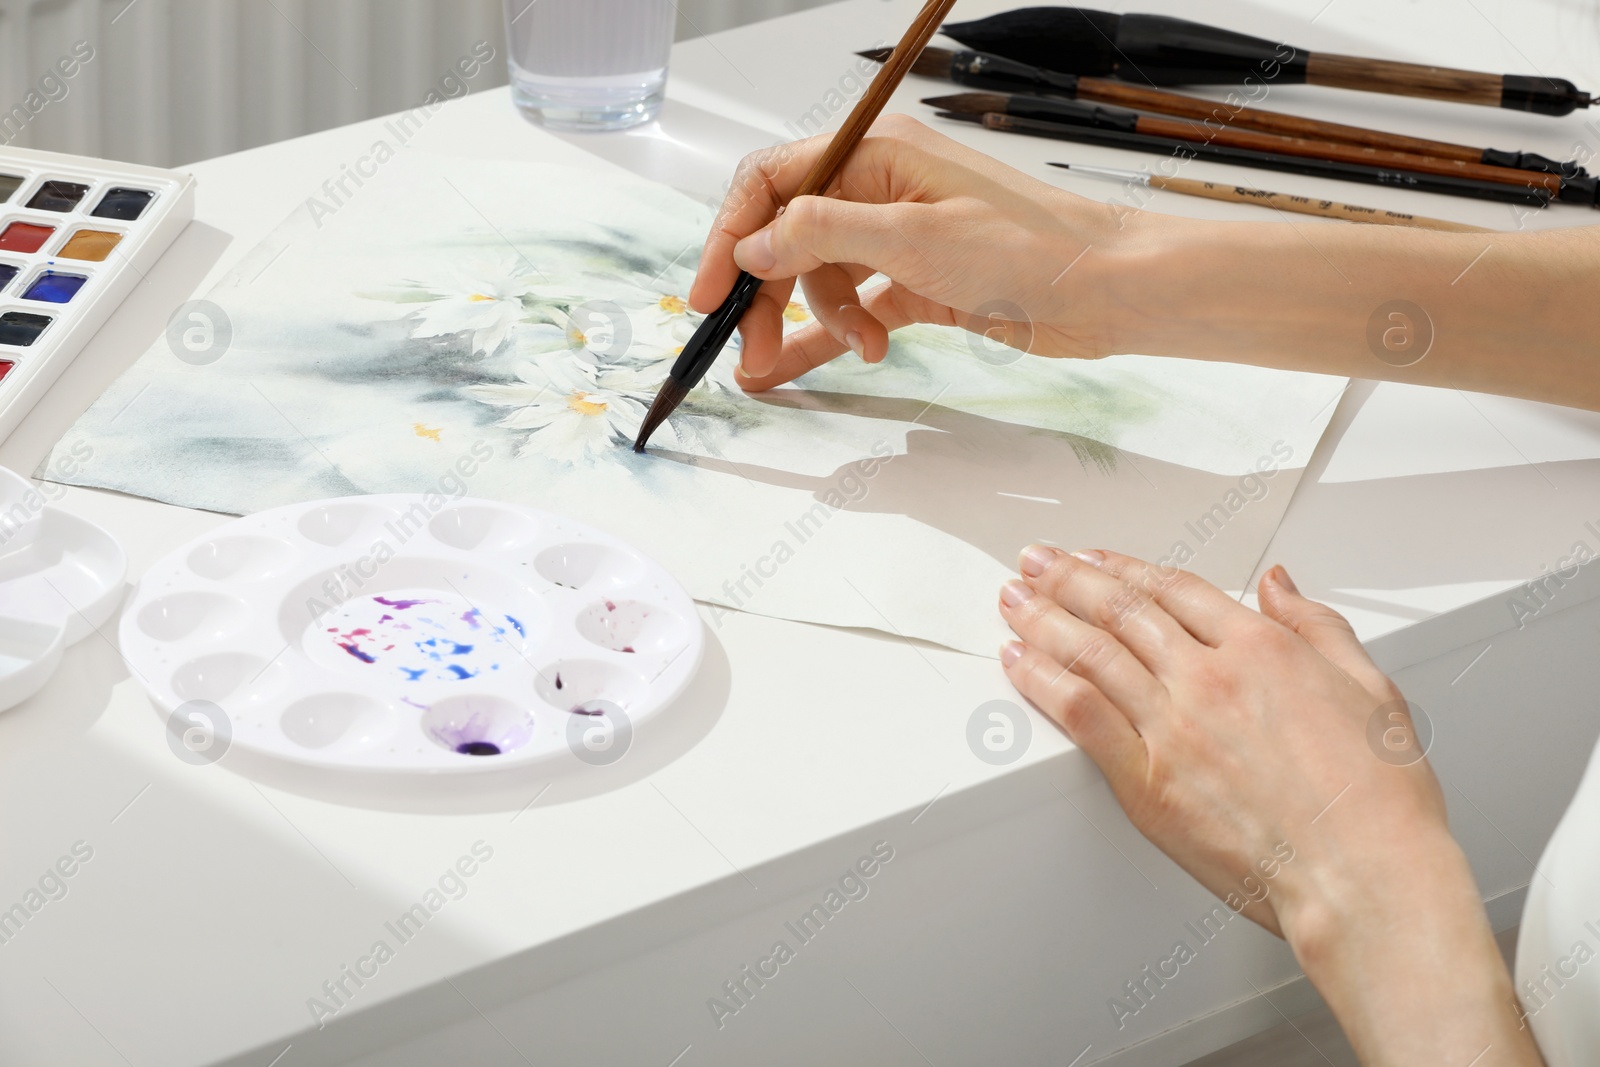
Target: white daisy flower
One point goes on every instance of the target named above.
(485, 301)
(575, 412)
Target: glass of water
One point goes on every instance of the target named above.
(589, 64)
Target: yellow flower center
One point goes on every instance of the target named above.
(581, 403)
(480, 298)
(673, 305)
(577, 339)
(795, 313)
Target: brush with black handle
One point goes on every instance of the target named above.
(1161, 50)
(975, 70)
(1077, 113)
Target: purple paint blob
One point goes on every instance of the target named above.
(558, 679)
(581, 710)
(478, 748)
(357, 653)
(471, 618)
(400, 605)
(627, 648)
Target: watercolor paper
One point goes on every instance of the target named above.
(523, 315)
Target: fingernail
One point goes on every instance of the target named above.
(857, 345)
(755, 252)
(1281, 576)
(1014, 594)
(1010, 652)
(1035, 558)
(1092, 556)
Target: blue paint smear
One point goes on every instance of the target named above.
(512, 619)
(460, 671)
(413, 675)
(358, 654)
(460, 650)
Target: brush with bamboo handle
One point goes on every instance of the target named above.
(715, 330)
(976, 70)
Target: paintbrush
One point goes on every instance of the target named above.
(1238, 194)
(715, 330)
(1321, 168)
(975, 70)
(1077, 113)
(1160, 50)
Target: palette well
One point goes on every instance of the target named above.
(377, 634)
(60, 579)
(76, 235)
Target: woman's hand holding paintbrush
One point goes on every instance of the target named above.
(959, 234)
(921, 209)
(715, 330)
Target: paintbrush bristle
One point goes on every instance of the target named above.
(666, 402)
(971, 103)
(931, 63)
(934, 62)
(1075, 40)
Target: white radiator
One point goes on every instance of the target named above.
(171, 81)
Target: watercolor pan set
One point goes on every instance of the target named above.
(377, 634)
(76, 235)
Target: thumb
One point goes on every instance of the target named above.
(1319, 626)
(813, 230)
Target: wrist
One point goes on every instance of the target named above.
(1397, 943)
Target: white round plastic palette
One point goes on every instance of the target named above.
(377, 633)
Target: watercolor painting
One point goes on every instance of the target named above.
(498, 329)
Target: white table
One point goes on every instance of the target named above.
(616, 905)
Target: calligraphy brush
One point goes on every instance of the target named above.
(1160, 50)
(1239, 194)
(975, 70)
(1076, 113)
(706, 344)
(1321, 168)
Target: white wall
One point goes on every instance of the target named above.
(172, 81)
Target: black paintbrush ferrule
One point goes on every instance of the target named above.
(978, 70)
(1355, 172)
(1541, 95)
(713, 333)
(698, 355)
(1496, 157)
(1073, 111)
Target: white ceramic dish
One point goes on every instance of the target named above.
(374, 633)
(71, 576)
(29, 655)
(21, 511)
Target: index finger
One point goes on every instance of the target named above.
(763, 182)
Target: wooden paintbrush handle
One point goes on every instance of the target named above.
(1345, 153)
(1305, 205)
(871, 104)
(1404, 79)
(1216, 113)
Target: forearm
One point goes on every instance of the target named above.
(1511, 313)
(1411, 970)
